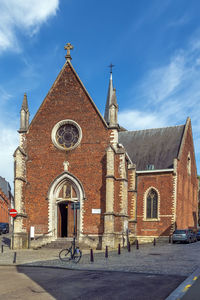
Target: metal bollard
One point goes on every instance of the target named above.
(137, 244)
(119, 249)
(15, 258)
(154, 242)
(1, 248)
(91, 256)
(106, 252)
(129, 246)
(29, 241)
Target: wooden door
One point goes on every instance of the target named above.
(59, 221)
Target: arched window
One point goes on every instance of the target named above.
(152, 204)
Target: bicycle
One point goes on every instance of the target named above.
(73, 253)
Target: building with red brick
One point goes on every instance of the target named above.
(78, 171)
(6, 200)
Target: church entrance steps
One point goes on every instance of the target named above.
(64, 243)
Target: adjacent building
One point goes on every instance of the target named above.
(6, 200)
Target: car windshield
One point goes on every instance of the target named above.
(179, 231)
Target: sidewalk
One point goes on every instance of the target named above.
(178, 259)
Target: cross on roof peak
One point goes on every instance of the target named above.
(111, 67)
(68, 47)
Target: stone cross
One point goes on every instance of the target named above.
(66, 166)
(68, 47)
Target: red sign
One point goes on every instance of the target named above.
(13, 212)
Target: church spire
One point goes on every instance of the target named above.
(25, 103)
(111, 109)
(24, 115)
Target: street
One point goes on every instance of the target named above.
(48, 283)
(151, 272)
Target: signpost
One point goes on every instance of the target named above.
(13, 212)
(75, 206)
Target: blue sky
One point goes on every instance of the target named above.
(154, 45)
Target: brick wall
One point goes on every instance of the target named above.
(187, 184)
(163, 183)
(4, 208)
(66, 100)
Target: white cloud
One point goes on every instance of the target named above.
(24, 15)
(170, 94)
(162, 82)
(9, 142)
(4, 95)
(136, 120)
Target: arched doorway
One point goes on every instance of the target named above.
(65, 192)
(68, 211)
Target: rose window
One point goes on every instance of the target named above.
(66, 135)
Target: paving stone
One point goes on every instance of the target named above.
(181, 259)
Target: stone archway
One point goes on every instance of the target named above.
(55, 200)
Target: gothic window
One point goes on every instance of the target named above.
(152, 204)
(68, 192)
(66, 135)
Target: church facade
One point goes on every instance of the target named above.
(77, 172)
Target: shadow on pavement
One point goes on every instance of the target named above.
(78, 284)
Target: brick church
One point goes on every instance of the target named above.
(77, 171)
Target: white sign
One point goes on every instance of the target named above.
(96, 210)
(32, 232)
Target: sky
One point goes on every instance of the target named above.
(154, 45)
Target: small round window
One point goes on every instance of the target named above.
(66, 135)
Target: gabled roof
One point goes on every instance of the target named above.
(68, 62)
(156, 147)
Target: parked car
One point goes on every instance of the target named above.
(1, 230)
(4, 227)
(198, 235)
(183, 235)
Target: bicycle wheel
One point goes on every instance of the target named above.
(77, 255)
(65, 255)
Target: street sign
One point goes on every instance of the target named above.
(75, 205)
(13, 213)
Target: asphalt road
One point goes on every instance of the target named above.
(51, 283)
(193, 292)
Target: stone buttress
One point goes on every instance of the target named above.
(116, 215)
(20, 238)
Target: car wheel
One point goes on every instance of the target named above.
(173, 242)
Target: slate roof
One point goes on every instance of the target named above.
(156, 147)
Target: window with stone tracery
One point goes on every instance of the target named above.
(152, 205)
(68, 192)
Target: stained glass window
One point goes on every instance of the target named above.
(67, 135)
(152, 204)
(68, 192)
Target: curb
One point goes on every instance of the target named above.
(27, 265)
(182, 289)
